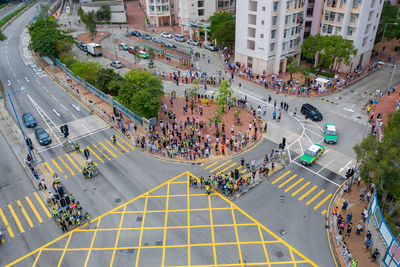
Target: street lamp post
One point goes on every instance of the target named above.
(383, 35)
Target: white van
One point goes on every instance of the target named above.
(179, 38)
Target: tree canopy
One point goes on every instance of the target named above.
(47, 39)
(104, 13)
(2, 36)
(222, 28)
(389, 15)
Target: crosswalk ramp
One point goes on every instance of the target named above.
(304, 191)
(24, 214)
(72, 163)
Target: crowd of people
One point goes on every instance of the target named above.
(190, 135)
(190, 76)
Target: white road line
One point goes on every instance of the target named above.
(314, 133)
(63, 106)
(323, 177)
(14, 75)
(290, 157)
(76, 107)
(345, 166)
(18, 82)
(38, 81)
(27, 80)
(325, 166)
(45, 89)
(54, 97)
(84, 126)
(308, 139)
(301, 147)
(8, 82)
(55, 111)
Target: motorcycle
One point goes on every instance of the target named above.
(1, 238)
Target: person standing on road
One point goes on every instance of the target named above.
(274, 115)
(265, 110)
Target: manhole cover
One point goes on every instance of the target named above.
(282, 231)
(139, 218)
(279, 254)
(117, 200)
(146, 244)
(159, 243)
(358, 117)
(130, 251)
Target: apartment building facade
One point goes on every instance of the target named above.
(356, 21)
(313, 16)
(268, 32)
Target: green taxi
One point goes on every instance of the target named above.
(142, 54)
(311, 155)
(123, 46)
(330, 134)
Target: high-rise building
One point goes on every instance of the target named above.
(268, 32)
(160, 12)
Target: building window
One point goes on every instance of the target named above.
(339, 17)
(251, 32)
(261, 35)
(293, 31)
(323, 28)
(337, 30)
(200, 3)
(273, 34)
(272, 47)
(332, 16)
(308, 24)
(310, 11)
(251, 44)
(287, 19)
(364, 41)
(373, 3)
(276, 6)
(341, 3)
(353, 17)
(350, 31)
(367, 28)
(355, 3)
(253, 6)
(252, 19)
(330, 28)
(370, 15)
(284, 33)
(327, 15)
(334, 3)
(283, 46)
(291, 44)
(288, 5)
(262, 22)
(201, 12)
(274, 18)
(263, 8)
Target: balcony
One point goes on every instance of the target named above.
(252, 19)
(253, 6)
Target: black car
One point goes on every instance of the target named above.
(136, 33)
(146, 37)
(29, 120)
(311, 112)
(42, 136)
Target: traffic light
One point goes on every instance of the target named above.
(29, 143)
(283, 142)
(87, 153)
(64, 130)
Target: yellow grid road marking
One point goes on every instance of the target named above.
(58, 166)
(323, 213)
(322, 201)
(64, 250)
(34, 209)
(212, 230)
(21, 229)
(65, 164)
(237, 235)
(141, 231)
(263, 244)
(28, 219)
(315, 197)
(280, 177)
(287, 181)
(223, 164)
(230, 166)
(165, 226)
(168, 227)
(73, 162)
(209, 166)
(126, 143)
(101, 152)
(48, 167)
(10, 231)
(301, 188)
(308, 192)
(92, 242)
(188, 219)
(106, 148)
(42, 204)
(37, 258)
(111, 145)
(94, 153)
(118, 143)
(117, 239)
(294, 184)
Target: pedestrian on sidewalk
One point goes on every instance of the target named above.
(274, 115)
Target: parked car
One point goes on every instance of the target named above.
(42, 136)
(116, 64)
(330, 134)
(179, 38)
(193, 42)
(29, 120)
(82, 46)
(156, 40)
(131, 49)
(311, 112)
(136, 33)
(142, 54)
(147, 37)
(123, 46)
(166, 35)
(169, 45)
(210, 46)
(312, 154)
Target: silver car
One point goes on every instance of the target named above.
(193, 42)
(156, 40)
(116, 64)
(166, 35)
(210, 46)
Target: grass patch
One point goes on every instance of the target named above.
(7, 18)
(3, 5)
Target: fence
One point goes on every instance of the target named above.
(99, 93)
(392, 255)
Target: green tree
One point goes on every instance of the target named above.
(136, 48)
(104, 78)
(292, 67)
(3, 37)
(90, 23)
(389, 15)
(379, 161)
(223, 96)
(312, 46)
(104, 13)
(47, 38)
(306, 73)
(87, 70)
(342, 49)
(144, 104)
(151, 61)
(222, 28)
(142, 80)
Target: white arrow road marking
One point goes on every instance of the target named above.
(345, 166)
(8, 83)
(76, 107)
(27, 80)
(55, 111)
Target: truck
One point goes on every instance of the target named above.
(94, 49)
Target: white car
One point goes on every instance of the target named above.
(166, 35)
(193, 42)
